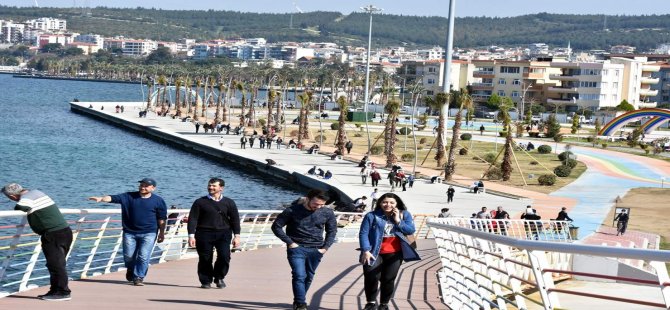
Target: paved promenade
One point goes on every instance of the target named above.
(259, 279)
(423, 198)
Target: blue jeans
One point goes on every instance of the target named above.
(137, 250)
(303, 263)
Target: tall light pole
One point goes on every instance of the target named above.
(520, 113)
(370, 9)
(447, 64)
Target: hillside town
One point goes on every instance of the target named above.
(557, 77)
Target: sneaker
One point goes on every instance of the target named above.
(129, 275)
(370, 306)
(57, 297)
(220, 283)
(206, 285)
(297, 306)
(47, 294)
(138, 282)
(383, 307)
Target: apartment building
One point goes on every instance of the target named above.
(47, 24)
(521, 80)
(662, 97)
(62, 39)
(11, 32)
(430, 74)
(88, 48)
(96, 39)
(131, 47)
(588, 85)
(637, 81)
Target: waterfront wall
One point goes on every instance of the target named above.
(276, 173)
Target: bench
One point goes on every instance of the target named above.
(291, 146)
(481, 190)
(438, 179)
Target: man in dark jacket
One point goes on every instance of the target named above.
(46, 220)
(305, 221)
(212, 222)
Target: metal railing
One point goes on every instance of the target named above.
(97, 238)
(518, 229)
(485, 270)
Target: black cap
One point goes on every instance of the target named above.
(149, 181)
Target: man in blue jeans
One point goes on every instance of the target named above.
(143, 216)
(305, 222)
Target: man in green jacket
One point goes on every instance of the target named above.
(55, 234)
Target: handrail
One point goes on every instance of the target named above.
(97, 239)
(477, 262)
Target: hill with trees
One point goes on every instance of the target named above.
(584, 32)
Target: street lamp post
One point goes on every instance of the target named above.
(523, 101)
(447, 67)
(370, 9)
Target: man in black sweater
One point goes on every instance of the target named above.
(211, 224)
(305, 221)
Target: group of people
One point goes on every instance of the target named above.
(264, 141)
(320, 173)
(306, 227)
(398, 178)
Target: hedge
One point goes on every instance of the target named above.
(563, 156)
(544, 149)
(562, 171)
(466, 137)
(547, 179)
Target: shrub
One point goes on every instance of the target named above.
(495, 173)
(534, 163)
(490, 157)
(463, 151)
(357, 125)
(558, 137)
(466, 137)
(294, 133)
(423, 140)
(319, 137)
(376, 150)
(604, 145)
(571, 163)
(358, 135)
(419, 147)
(544, 149)
(407, 157)
(335, 126)
(405, 131)
(590, 138)
(534, 134)
(547, 179)
(563, 156)
(503, 134)
(262, 122)
(647, 151)
(643, 146)
(562, 171)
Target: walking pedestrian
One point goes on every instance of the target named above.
(197, 127)
(481, 130)
(279, 142)
(349, 145)
(305, 221)
(410, 180)
(450, 194)
(212, 223)
(622, 222)
(375, 177)
(384, 245)
(143, 216)
(374, 196)
(251, 141)
(364, 174)
(46, 220)
(243, 142)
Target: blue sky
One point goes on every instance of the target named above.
(414, 7)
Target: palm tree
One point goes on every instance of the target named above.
(198, 83)
(341, 133)
(436, 103)
(243, 101)
(177, 85)
(392, 110)
(506, 165)
(303, 124)
(272, 96)
(463, 101)
(218, 118)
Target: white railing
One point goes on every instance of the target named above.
(518, 229)
(96, 246)
(484, 270)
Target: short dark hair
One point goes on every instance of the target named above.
(399, 203)
(217, 180)
(317, 193)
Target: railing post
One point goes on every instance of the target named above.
(96, 243)
(173, 231)
(31, 266)
(663, 280)
(75, 236)
(12, 247)
(544, 282)
(508, 266)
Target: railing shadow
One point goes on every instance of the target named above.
(247, 305)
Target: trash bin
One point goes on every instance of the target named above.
(574, 232)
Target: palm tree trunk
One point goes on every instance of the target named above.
(450, 168)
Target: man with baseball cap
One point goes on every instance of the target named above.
(143, 216)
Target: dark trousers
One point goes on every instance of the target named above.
(381, 277)
(205, 243)
(375, 182)
(450, 198)
(55, 246)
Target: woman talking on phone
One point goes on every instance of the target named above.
(384, 246)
